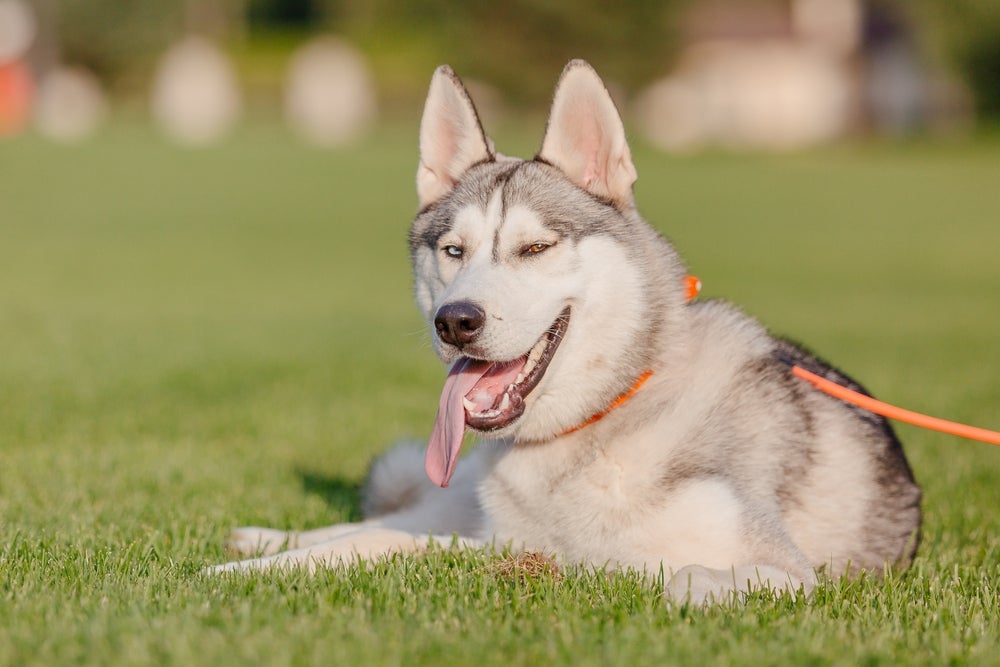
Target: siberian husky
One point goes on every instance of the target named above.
(622, 425)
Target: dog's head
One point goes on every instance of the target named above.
(530, 272)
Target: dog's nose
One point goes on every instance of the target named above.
(459, 323)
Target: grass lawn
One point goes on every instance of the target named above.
(196, 340)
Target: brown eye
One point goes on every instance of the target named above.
(536, 248)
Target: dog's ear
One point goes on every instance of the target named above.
(585, 137)
(451, 137)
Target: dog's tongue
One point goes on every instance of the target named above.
(449, 426)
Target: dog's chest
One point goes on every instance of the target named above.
(582, 504)
(609, 510)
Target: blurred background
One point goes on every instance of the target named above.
(690, 74)
(205, 296)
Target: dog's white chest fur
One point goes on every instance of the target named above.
(592, 506)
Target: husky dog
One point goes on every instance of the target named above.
(623, 425)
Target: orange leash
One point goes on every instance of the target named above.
(893, 412)
(692, 286)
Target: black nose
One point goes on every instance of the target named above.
(459, 323)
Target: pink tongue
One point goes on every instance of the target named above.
(449, 427)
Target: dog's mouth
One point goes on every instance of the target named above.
(486, 396)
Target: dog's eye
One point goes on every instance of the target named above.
(536, 248)
(452, 251)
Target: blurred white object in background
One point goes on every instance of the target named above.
(831, 25)
(764, 96)
(70, 104)
(17, 29)
(668, 112)
(195, 97)
(329, 93)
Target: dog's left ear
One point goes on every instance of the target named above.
(451, 137)
(585, 137)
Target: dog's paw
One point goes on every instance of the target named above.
(700, 585)
(254, 541)
(329, 555)
(233, 566)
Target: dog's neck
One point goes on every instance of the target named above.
(617, 403)
(692, 286)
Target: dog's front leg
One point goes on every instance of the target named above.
(257, 541)
(702, 585)
(361, 544)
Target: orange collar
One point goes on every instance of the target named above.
(618, 402)
(692, 286)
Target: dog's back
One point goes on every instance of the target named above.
(836, 474)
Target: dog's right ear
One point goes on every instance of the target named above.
(451, 137)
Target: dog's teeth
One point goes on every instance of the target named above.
(533, 356)
(505, 403)
(469, 405)
(520, 376)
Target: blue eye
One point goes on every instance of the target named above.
(453, 251)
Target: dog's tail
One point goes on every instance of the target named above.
(396, 480)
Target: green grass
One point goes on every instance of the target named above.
(195, 340)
